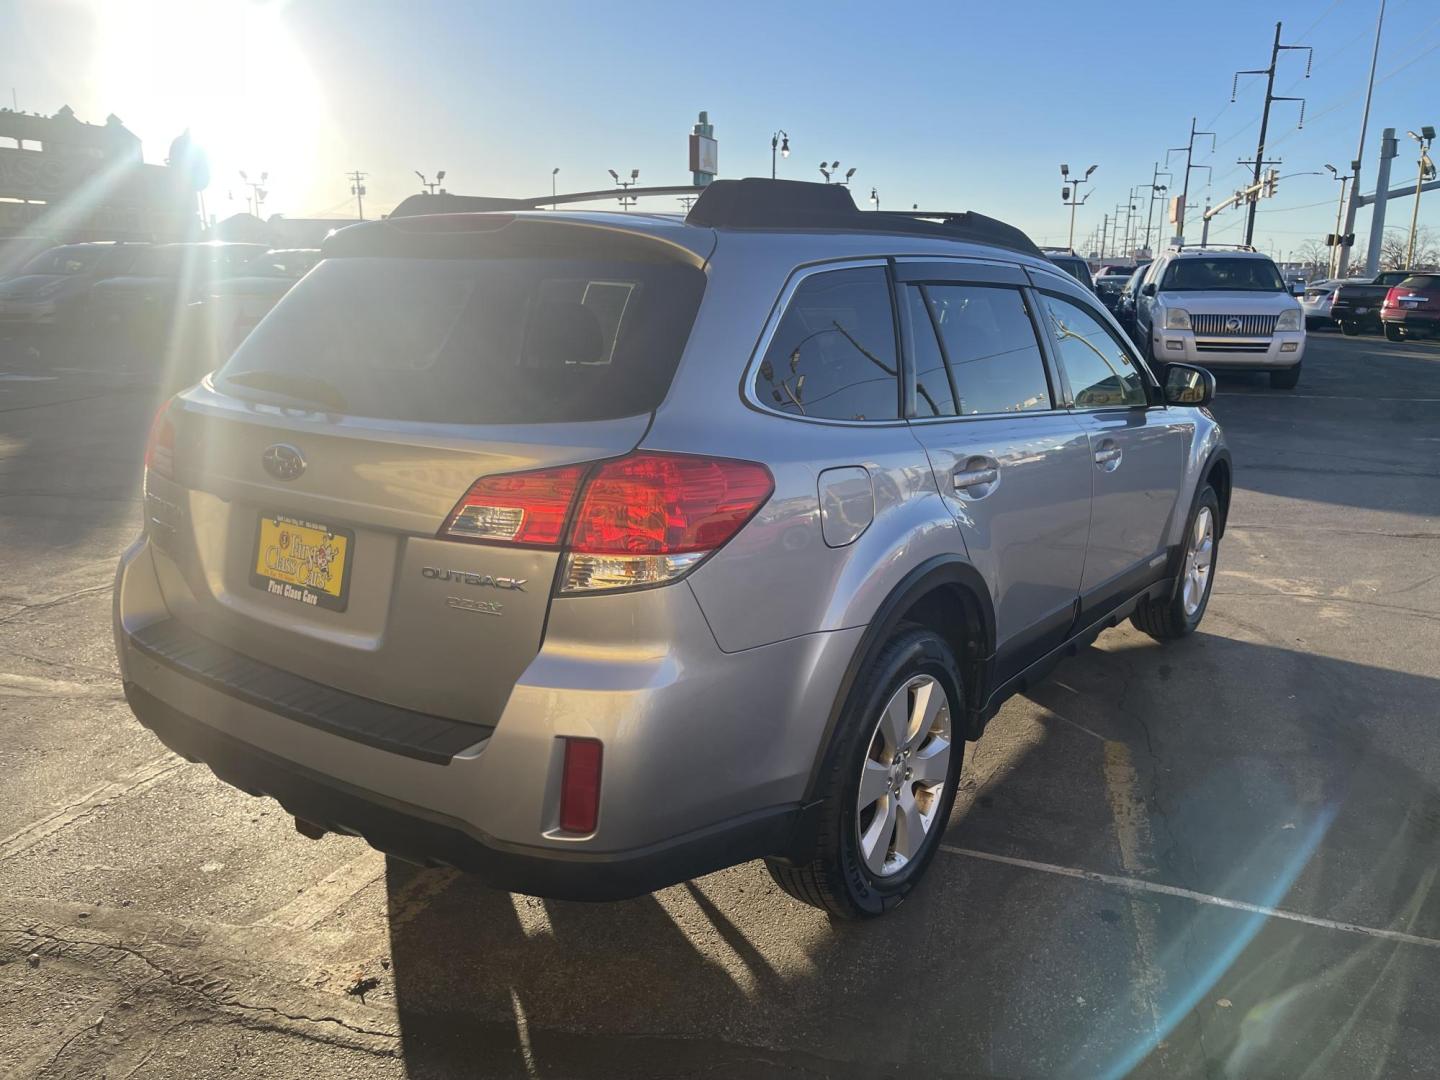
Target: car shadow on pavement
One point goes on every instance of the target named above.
(1248, 772)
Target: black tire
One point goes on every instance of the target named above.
(1285, 380)
(836, 879)
(1165, 619)
(1393, 332)
(1349, 328)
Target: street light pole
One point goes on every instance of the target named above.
(1425, 169)
(779, 141)
(1070, 195)
(1339, 215)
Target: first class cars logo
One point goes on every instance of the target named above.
(1232, 324)
(283, 461)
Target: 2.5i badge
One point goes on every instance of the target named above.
(303, 561)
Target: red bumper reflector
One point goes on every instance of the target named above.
(580, 785)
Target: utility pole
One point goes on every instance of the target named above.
(1275, 50)
(1070, 195)
(357, 188)
(1189, 149)
(1104, 231)
(1374, 253)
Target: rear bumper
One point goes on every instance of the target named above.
(707, 754)
(1283, 349)
(1411, 320)
(429, 839)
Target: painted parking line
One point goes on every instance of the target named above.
(1159, 889)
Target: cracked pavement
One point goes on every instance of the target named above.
(155, 923)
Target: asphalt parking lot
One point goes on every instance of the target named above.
(1210, 858)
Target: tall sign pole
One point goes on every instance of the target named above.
(1344, 263)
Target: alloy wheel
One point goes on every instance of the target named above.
(903, 778)
(1199, 558)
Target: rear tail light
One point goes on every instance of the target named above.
(580, 785)
(160, 446)
(528, 508)
(640, 520)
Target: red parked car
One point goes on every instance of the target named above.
(1412, 306)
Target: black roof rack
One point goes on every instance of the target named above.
(757, 203)
(796, 204)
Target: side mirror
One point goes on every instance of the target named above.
(1187, 385)
(1148, 290)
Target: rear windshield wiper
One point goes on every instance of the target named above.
(306, 388)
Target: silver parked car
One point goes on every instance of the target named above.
(596, 551)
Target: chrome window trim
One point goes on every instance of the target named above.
(798, 276)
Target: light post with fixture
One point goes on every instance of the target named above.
(1070, 195)
(875, 198)
(826, 168)
(626, 201)
(553, 173)
(1426, 172)
(1337, 241)
(431, 185)
(780, 141)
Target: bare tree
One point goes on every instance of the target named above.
(1396, 246)
(1315, 257)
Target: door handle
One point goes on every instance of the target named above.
(1103, 457)
(975, 478)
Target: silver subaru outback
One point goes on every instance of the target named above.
(592, 552)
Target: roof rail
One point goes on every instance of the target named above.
(796, 204)
(1206, 247)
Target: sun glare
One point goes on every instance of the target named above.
(227, 70)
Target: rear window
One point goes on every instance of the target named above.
(474, 341)
(1228, 274)
(1073, 266)
(1421, 281)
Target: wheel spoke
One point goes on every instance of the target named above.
(1204, 553)
(875, 841)
(874, 784)
(909, 827)
(929, 700)
(932, 763)
(896, 723)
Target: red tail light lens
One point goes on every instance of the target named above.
(580, 785)
(160, 446)
(527, 508)
(639, 520)
(667, 504)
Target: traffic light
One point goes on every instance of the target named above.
(1064, 194)
(1271, 183)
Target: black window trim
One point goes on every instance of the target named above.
(1153, 398)
(797, 277)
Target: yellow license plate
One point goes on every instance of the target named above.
(303, 561)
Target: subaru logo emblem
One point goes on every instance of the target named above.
(1233, 324)
(283, 462)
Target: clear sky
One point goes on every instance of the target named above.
(956, 105)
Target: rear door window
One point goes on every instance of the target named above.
(833, 355)
(475, 341)
(989, 359)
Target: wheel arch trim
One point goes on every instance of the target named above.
(931, 576)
